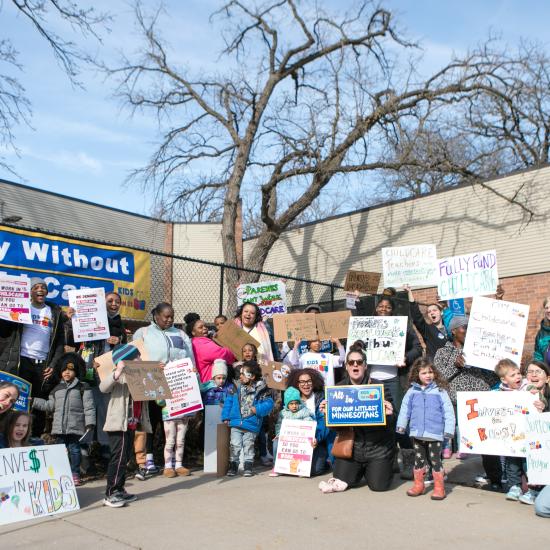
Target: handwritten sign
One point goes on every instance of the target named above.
(23, 402)
(104, 363)
(269, 296)
(233, 337)
(410, 265)
(467, 275)
(35, 482)
(362, 281)
(184, 385)
(384, 337)
(538, 449)
(90, 319)
(332, 325)
(295, 326)
(275, 374)
(494, 422)
(146, 381)
(496, 331)
(355, 405)
(295, 447)
(15, 299)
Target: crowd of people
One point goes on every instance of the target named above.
(73, 406)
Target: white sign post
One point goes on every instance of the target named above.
(538, 449)
(184, 385)
(496, 331)
(269, 296)
(295, 447)
(410, 265)
(90, 319)
(212, 417)
(15, 299)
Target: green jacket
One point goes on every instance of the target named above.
(542, 341)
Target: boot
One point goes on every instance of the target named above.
(233, 469)
(439, 485)
(407, 463)
(418, 488)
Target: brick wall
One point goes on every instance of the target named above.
(525, 289)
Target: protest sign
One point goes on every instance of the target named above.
(295, 447)
(90, 318)
(355, 405)
(184, 385)
(457, 306)
(35, 482)
(496, 331)
(494, 422)
(332, 325)
(223, 433)
(467, 275)
(15, 299)
(383, 336)
(410, 265)
(275, 374)
(538, 449)
(23, 402)
(146, 381)
(104, 363)
(212, 417)
(362, 281)
(295, 326)
(233, 337)
(269, 296)
(351, 301)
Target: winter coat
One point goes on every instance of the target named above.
(263, 402)
(165, 345)
(464, 378)
(10, 341)
(428, 412)
(72, 406)
(216, 395)
(303, 413)
(542, 342)
(433, 337)
(206, 351)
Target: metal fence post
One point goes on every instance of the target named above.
(331, 298)
(222, 273)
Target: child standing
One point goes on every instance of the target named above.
(72, 404)
(428, 412)
(216, 390)
(244, 411)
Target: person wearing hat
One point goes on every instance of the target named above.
(31, 351)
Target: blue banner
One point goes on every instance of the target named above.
(23, 403)
(355, 405)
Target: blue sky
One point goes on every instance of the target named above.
(83, 143)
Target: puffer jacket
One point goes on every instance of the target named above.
(165, 345)
(72, 406)
(263, 402)
(542, 341)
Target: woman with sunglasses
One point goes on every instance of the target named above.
(373, 446)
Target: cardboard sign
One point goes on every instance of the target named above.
(496, 331)
(275, 374)
(23, 402)
(495, 422)
(384, 337)
(355, 405)
(233, 337)
(90, 319)
(15, 299)
(295, 326)
(538, 449)
(184, 385)
(295, 447)
(410, 265)
(35, 482)
(332, 325)
(468, 275)
(362, 281)
(269, 296)
(146, 380)
(223, 436)
(104, 363)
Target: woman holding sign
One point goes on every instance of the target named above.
(249, 318)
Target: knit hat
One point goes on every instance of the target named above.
(313, 307)
(38, 281)
(291, 394)
(219, 367)
(458, 321)
(124, 351)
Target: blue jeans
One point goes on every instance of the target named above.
(73, 449)
(542, 503)
(242, 439)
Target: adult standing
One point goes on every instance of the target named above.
(542, 340)
(249, 318)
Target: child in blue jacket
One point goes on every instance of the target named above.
(244, 411)
(428, 412)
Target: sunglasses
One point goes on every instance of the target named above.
(356, 362)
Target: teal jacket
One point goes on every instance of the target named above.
(542, 341)
(165, 345)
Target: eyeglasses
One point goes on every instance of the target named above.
(535, 371)
(305, 382)
(356, 362)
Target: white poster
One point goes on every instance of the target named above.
(410, 265)
(496, 331)
(269, 296)
(495, 422)
(467, 275)
(384, 337)
(538, 449)
(15, 298)
(35, 482)
(90, 318)
(184, 385)
(212, 417)
(295, 447)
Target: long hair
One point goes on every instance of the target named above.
(421, 363)
(10, 385)
(10, 423)
(318, 382)
(258, 316)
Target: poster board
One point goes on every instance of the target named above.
(104, 363)
(275, 374)
(15, 298)
(146, 380)
(355, 405)
(538, 449)
(35, 482)
(385, 338)
(269, 296)
(494, 422)
(184, 386)
(496, 330)
(414, 265)
(223, 432)
(467, 275)
(332, 325)
(25, 389)
(212, 417)
(362, 281)
(89, 321)
(295, 449)
(295, 326)
(233, 337)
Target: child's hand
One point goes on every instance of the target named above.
(118, 370)
(253, 410)
(226, 421)
(314, 443)
(323, 406)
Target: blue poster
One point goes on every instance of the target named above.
(355, 405)
(22, 404)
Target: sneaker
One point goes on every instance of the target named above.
(170, 472)
(127, 496)
(461, 456)
(493, 487)
(333, 485)
(76, 480)
(266, 460)
(116, 500)
(447, 453)
(248, 469)
(151, 468)
(513, 493)
(481, 479)
(529, 497)
(273, 473)
(183, 471)
(233, 469)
